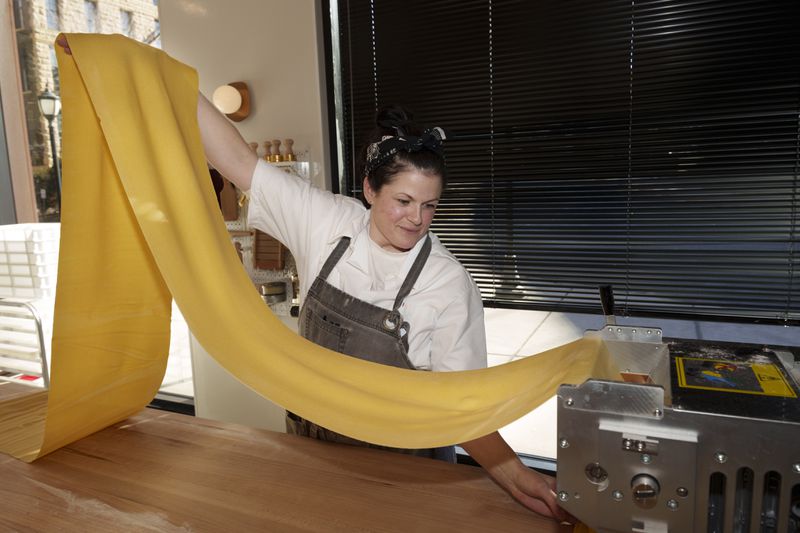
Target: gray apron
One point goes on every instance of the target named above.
(336, 320)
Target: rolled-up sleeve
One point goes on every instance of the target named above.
(293, 211)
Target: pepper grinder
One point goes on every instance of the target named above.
(289, 154)
(276, 151)
(267, 151)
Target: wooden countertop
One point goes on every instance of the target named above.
(166, 472)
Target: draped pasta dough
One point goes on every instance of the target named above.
(140, 225)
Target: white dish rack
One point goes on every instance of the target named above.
(24, 342)
(28, 271)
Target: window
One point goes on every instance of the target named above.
(126, 22)
(56, 85)
(19, 20)
(90, 13)
(51, 11)
(39, 69)
(23, 68)
(615, 142)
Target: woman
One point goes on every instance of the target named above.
(375, 283)
(420, 306)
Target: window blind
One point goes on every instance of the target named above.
(650, 145)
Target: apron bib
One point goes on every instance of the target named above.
(338, 321)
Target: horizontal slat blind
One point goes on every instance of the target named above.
(649, 145)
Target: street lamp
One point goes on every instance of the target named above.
(50, 107)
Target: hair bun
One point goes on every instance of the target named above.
(394, 117)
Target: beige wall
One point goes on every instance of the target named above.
(272, 45)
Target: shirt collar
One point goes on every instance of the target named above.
(357, 254)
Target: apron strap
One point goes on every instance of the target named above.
(392, 321)
(337, 253)
(413, 273)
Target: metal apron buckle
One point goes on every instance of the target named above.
(391, 321)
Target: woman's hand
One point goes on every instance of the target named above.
(530, 488)
(61, 41)
(537, 492)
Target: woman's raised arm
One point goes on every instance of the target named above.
(224, 146)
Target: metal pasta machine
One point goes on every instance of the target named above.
(698, 437)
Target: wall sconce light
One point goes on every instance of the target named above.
(233, 99)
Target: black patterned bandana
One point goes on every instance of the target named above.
(384, 150)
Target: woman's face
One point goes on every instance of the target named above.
(403, 209)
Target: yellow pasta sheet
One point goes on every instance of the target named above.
(140, 225)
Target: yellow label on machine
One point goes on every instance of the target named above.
(764, 379)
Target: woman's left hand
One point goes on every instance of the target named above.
(537, 492)
(61, 41)
(530, 488)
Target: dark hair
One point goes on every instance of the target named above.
(396, 120)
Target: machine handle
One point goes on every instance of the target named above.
(607, 301)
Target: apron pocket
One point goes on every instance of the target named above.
(325, 332)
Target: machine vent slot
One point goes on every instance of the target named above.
(716, 503)
(794, 510)
(743, 506)
(770, 502)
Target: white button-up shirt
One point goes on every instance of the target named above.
(444, 309)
